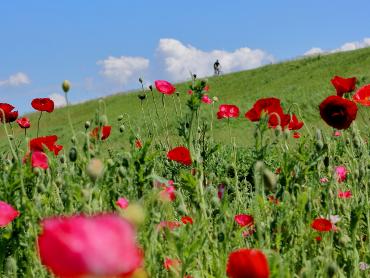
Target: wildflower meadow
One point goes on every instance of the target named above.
(173, 201)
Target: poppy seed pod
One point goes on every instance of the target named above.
(95, 169)
(66, 85)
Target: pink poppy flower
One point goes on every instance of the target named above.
(82, 246)
(168, 193)
(337, 133)
(122, 203)
(171, 225)
(324, 180)
(39, 160)
(227, 111)
(206, 99)
(344, 194)
(7, 214)
(341, 173)
(164, 87)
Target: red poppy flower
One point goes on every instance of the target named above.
(294, 124)
(171, 225)
(272, 107)
(10, 115)
(187, 220)
(39, 160)
(24, 122)
(171, 263)
(7, 214)
(37, 144)
(296, 135)
(227, 111)
(82, 246)
(180, 155)
(338, 112)
(138, 144)
(247, 263)
(362, 96)
(344, 194)
(244, 220)
(343, 85)
(164, 87)
(322, 225)
(104, 132)
(43, 104)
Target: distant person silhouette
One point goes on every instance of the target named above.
(216, 67)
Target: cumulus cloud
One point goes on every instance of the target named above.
(123, 69)
(17, 79)
(348, 46)
(179, 59)
(313, 51)
(59, 100)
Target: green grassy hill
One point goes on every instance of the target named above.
(305, 82)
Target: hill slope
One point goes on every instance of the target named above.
(305, 81)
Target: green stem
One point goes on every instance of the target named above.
(38, 125)
(69, 116)
(166, 120)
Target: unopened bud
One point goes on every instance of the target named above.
(140, 80)
(151, 87)
(122, 128)
(95, 169)
(120, 118)
(215, 99)
(142, 96)
(134, 213)
(103, 120)
(66, 85)
(87, 124)
(269, 179)
(73, 154)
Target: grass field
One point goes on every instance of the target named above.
(304, 82)
(117, 207)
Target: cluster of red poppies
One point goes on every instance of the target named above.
(337, 110)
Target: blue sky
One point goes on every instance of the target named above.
(103, 46)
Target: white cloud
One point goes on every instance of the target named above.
(179, 59)
(313, 51)
(59, 100)
(348, 46)
(123, 69)
(17, 79)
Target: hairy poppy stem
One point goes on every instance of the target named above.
(145, 121)
(38, 125)
(166, 120)
(69, 115)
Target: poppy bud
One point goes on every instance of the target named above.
(221, 237)
(122, 128)
(11, 137)
(269, 179)
(331, 269)
(73, 154)
(177, 93)
(62, 159)
(66, 85)
(140, 80)
(141, 96)
(73, 140)
(194, 76)
(215, 99)
(286, 134)
(134, 213)
(87, 124)
(103, 121)
(357, 142)
(151, 88)
(110, 162)
(95, 169)
(278, 130)
(11, 267)
(122, 171)
(326, 161)
(120, 118)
